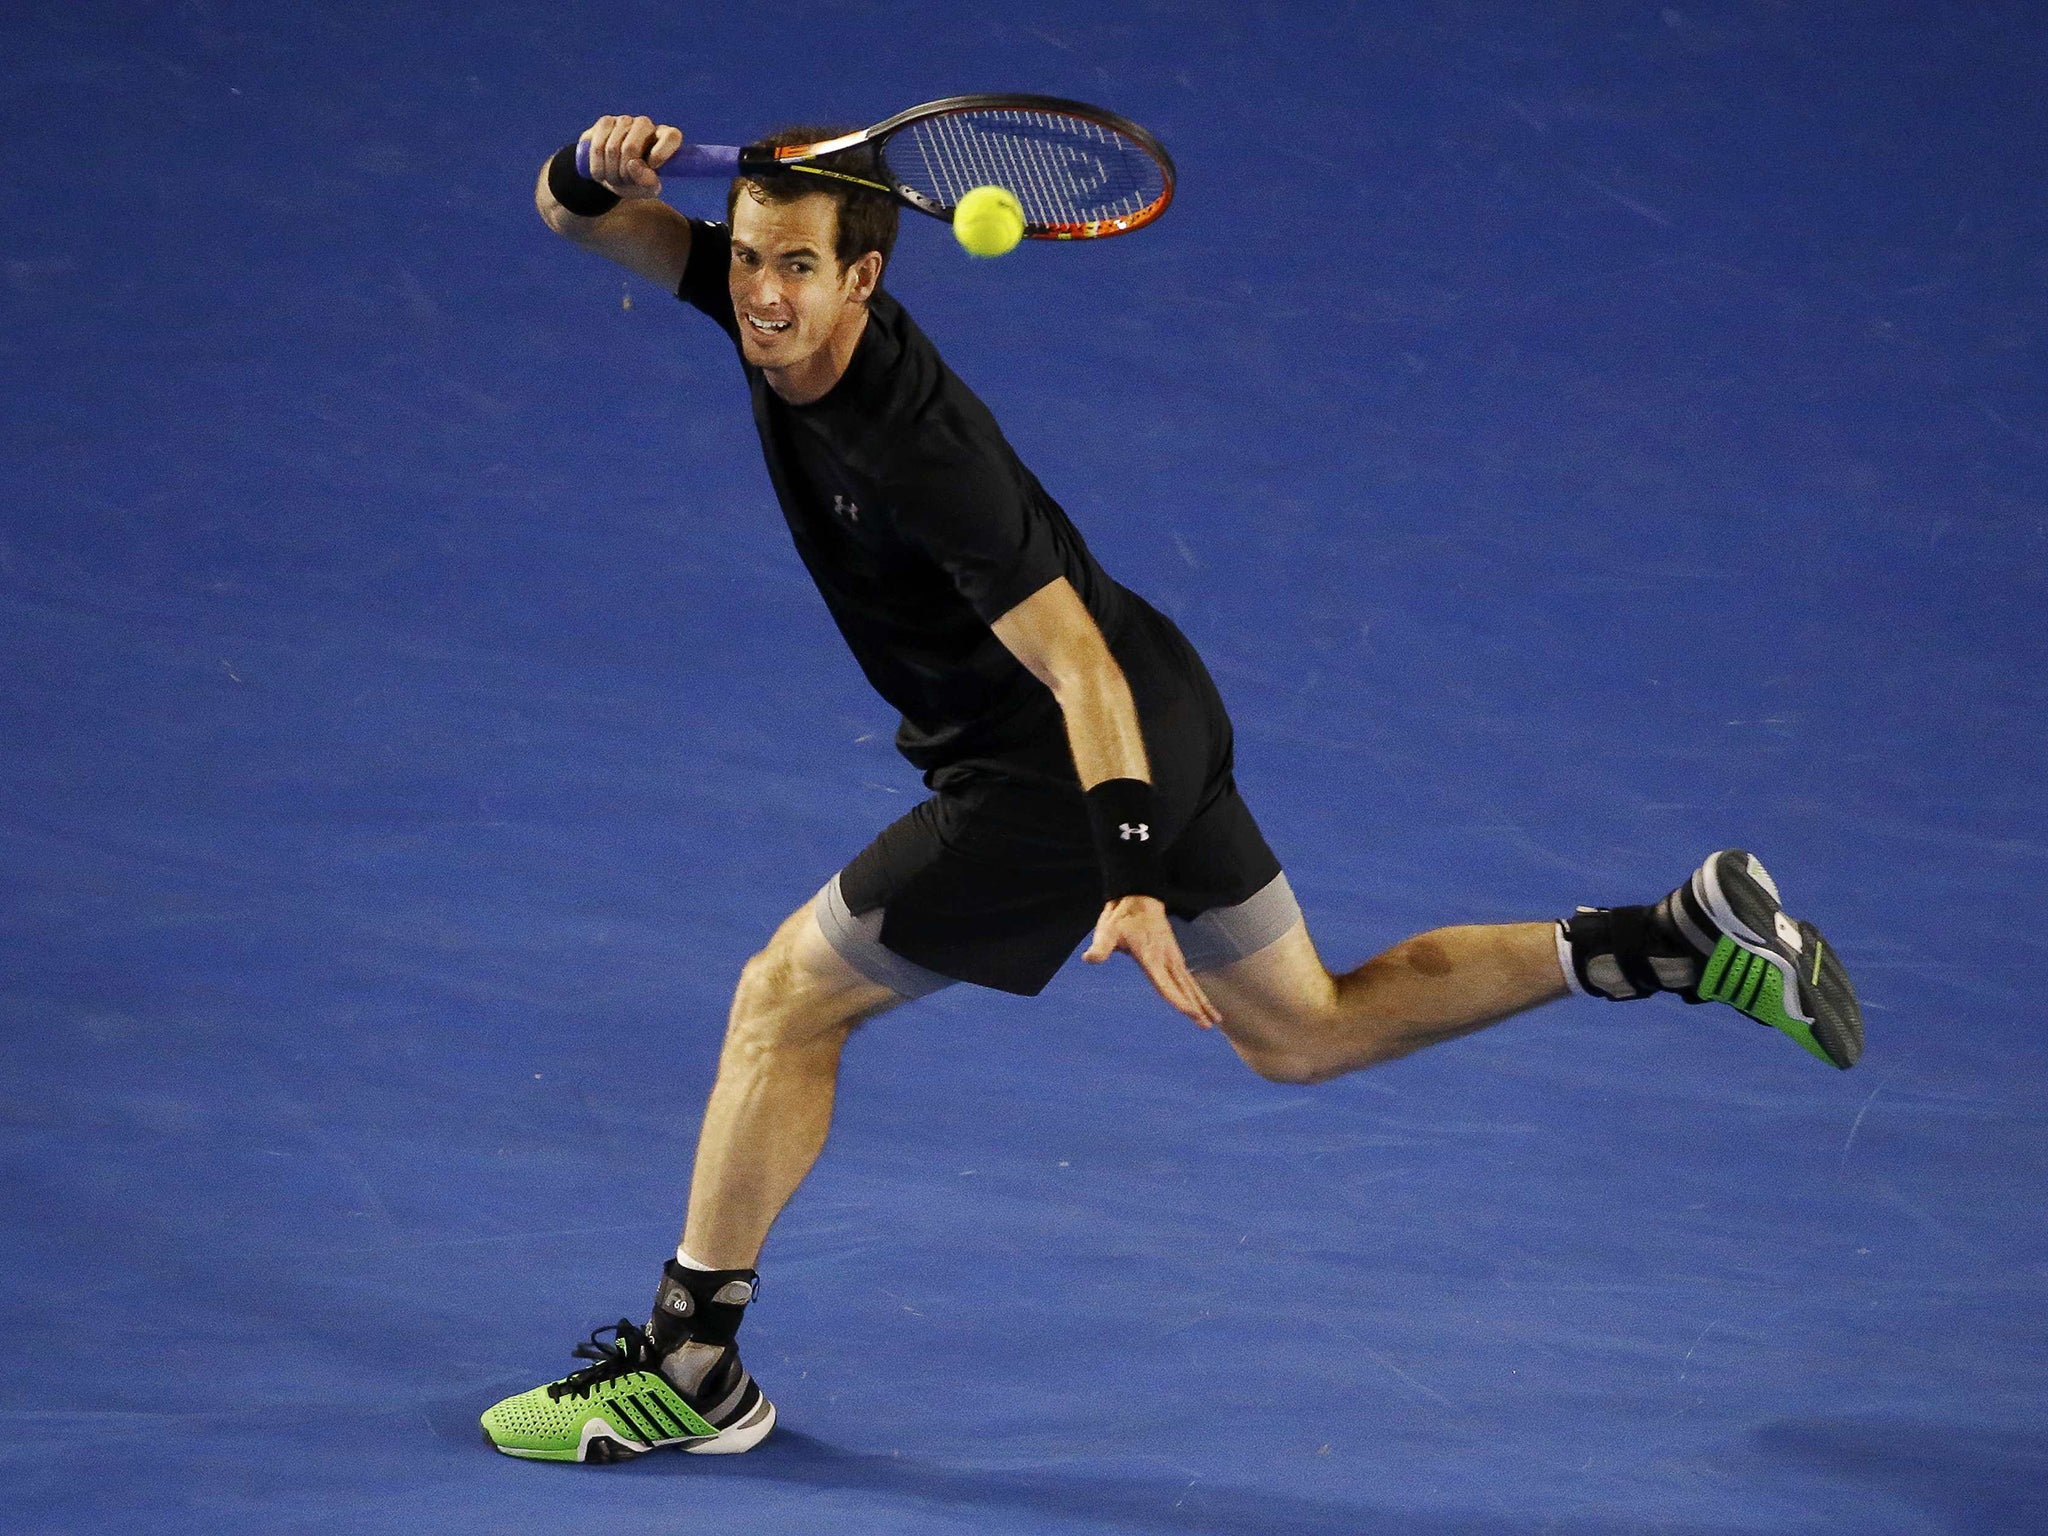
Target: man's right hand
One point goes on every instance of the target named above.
(643, 233)
(626, 152)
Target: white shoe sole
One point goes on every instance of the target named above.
(734, 1438)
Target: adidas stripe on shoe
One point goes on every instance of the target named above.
(622, 1406)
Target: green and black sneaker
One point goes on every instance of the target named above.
(639, 1395)
(1773, 967)
(1722, 937)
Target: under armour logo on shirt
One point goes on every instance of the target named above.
(846, 509)
(1142, 831)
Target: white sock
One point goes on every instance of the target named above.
(1564, 963)
(683, 1258)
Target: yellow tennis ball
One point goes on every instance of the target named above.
(989, 221)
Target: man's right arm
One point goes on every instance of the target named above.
(641, 233)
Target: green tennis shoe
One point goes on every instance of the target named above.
(623, 1404)
(1766, 964)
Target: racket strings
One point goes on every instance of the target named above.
(1063, 170)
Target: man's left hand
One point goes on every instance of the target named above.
(1137, 925)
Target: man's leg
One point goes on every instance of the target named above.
(770, 1109)
(679, 1381)
(1723, 936)
(1294, 1021)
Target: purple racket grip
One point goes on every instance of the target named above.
(690, 160)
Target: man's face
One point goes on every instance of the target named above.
(790, 293)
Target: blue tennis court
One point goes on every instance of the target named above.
(1577, 438)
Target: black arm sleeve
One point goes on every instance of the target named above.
(705, 286)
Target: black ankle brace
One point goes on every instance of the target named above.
(1623, 953)
(704, 1305)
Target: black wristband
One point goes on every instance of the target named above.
(574, 190)
(1123, 816)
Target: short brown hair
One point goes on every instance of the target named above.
(866, 219)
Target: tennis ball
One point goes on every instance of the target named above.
(989, 221)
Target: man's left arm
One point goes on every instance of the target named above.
(1055, 637)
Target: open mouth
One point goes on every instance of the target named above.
(767, 327)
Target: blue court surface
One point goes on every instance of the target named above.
(1579, 437)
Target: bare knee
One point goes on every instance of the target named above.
(1281, 1013)
(766, 982)
(1300, 1051)
(1286, 1066)
(1309, 1046)
(1308, 1066)
(779, 1006)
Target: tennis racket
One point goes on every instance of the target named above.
(1080, 173)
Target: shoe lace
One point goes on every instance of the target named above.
(626, 1351)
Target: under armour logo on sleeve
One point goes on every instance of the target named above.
(1142, 831)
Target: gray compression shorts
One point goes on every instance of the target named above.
(1216, 938)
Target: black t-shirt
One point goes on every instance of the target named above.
(921, 527)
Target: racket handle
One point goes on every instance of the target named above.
(690, 160)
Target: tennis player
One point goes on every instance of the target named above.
(1079, 759)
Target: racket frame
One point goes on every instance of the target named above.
(793, 157)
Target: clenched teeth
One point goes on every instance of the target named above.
(771, 327)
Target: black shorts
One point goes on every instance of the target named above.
(994, 879)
